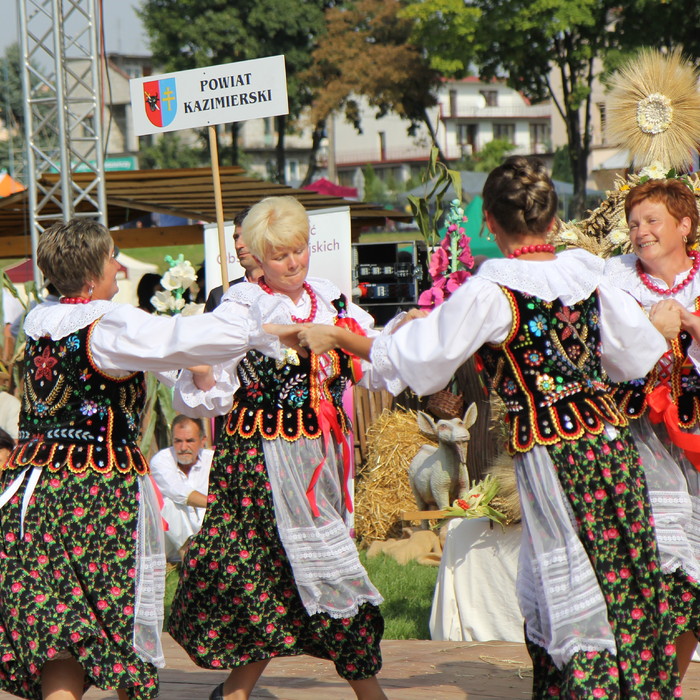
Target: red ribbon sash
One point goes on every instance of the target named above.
(328, 422)
(662, 409)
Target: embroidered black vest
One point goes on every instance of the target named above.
(75, 416)
(548, 372)
(678, 372)
(281, 398)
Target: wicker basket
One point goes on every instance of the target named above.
(445, 404)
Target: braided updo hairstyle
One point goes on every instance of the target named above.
(520, 195)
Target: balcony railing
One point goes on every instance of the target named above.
(534, 112)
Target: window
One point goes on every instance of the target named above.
(293, 169)
(453, 103)
(466, 135)
(603, 121)
(506, 132)
(268, 132)
(490, 97)
(539, 138)
(382, 145)
(133, 70)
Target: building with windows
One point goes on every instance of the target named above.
(472, 113)
(469, 114)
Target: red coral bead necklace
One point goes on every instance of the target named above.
(74, 300)
(538, 248)
(646, 280)
(308, 289)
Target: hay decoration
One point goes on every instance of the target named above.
(654, 109)
(383, 491)
(507, 501)
(605, 232)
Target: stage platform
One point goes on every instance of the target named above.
(413, 670)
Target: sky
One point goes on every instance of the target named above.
(123, 30)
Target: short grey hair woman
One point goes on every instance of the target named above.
(82, 565)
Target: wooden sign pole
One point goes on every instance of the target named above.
(214, 154)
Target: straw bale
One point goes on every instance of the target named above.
(383, 491)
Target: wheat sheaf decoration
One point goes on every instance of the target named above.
(654, 109)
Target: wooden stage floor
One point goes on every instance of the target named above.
(413, 670)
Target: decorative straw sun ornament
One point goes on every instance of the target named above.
(654, 109)
(654, 112)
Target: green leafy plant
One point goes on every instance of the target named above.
(442, 178)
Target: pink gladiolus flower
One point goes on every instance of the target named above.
(456, 280)
(439, 262)
(431, 297)
(465, 256)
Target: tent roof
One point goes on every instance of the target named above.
(187, 193)
(323, 186)
(473, 185)
(8, 185)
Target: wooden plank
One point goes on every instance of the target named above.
(423, 514)
(156, 236)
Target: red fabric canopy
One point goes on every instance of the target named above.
(323, 186)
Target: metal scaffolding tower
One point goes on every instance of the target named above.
(61, 83)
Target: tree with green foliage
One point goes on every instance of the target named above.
(375, 190)
(170, 152)
(659, 23)
(12, 151)
(544, 48)
(194, 33)
(561, 165)
(367, 51)
(445, 30)
(491, 155)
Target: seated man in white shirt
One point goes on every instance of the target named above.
(182, 475)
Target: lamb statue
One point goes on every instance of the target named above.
(438, 475)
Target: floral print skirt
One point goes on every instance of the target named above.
(604, 484)
(68, 584)
(237, 602)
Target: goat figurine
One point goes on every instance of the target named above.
(438, 475)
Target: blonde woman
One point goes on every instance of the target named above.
(273, 570)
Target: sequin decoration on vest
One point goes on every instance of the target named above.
(547, 372)
(75, 416)
(281, 398)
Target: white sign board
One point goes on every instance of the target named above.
(329, 243)
(231, 92)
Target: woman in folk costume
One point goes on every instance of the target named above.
(550, 331)
(81, 557)
(654, 112)
(664, 407)
(273, 570)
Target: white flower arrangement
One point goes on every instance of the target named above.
(618, 236)
(655, 171)
(176, 280)
(568, 235)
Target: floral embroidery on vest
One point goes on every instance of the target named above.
(548, 372)
(75, 416)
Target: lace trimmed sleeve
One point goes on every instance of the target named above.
(191, 400)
